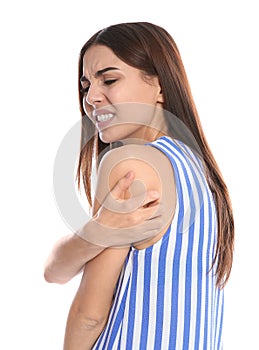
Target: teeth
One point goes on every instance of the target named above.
(104, 117)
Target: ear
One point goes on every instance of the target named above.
(160, 97)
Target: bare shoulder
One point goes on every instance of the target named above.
(134, 151)
(152, 169)
(140, 156)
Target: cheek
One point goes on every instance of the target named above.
(138, 113)
(147, 96)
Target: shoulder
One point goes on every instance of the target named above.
(152, 170)
(149, 164)
(142, 156)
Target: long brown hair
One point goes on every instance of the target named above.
(152, 50)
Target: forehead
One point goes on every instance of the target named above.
(98, 57)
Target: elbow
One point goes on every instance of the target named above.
(87, 320)
(89, 323)
(49, 277)
(52, 278)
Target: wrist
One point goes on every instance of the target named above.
(91, 236)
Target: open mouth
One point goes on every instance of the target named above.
(104, 117)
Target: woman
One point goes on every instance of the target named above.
(167, 291)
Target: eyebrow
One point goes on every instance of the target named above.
(99, 72)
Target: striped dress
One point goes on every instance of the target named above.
(166, 297)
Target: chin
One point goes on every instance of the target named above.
(118, 132)
(107, 137)
(110, 135)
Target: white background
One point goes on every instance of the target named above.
(40, 42)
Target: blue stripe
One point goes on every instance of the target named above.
(188, 290)
(160, 295)
(118, 319)
(146, 300)
(175, 289)
(221, 321)
(199, 282)
(132, 303)
(207, 297)
(217, 316)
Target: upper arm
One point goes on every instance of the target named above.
(153, 171)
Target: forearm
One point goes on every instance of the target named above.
(68, 257)
(91, 306)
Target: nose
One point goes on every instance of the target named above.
(94, 95)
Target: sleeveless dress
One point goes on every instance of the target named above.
(166, 297)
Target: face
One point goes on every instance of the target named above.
(119, 99)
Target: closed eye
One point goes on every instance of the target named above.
(110, 81)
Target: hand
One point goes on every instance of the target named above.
(124, 222)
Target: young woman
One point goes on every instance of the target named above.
(165, 292)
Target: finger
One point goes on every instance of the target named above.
(144, 232)
(150, 213)
(150, 197)
(160, 210)
(144, 199)
(124, 206)
(104, 236)
(122, 185)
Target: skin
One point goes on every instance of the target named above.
(90, 308)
